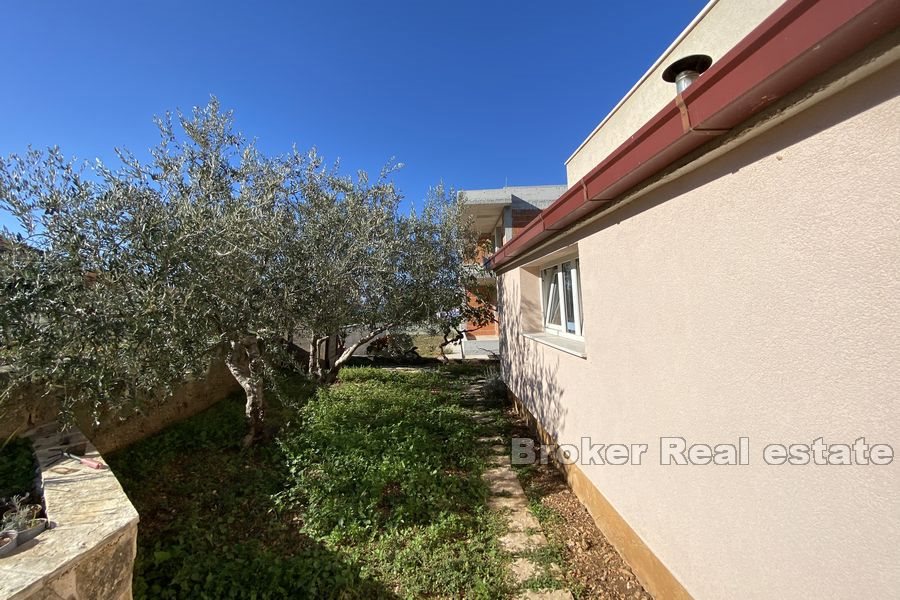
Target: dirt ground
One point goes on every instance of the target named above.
(593, 568)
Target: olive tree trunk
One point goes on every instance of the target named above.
(327, 376)
(245, 363)
(315, 367)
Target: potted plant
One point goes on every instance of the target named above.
(24, 519)
(8, 542)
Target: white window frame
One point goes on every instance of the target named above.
(559, 285)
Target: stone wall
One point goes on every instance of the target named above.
(117, 430)
(88, 552)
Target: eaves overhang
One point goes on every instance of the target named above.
(797, 42)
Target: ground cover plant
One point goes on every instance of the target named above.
(371, 488)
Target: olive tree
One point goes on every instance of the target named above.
(380, 269)
(120, 283)
(351, 237)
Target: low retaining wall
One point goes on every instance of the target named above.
(116, 430)
(88, 552)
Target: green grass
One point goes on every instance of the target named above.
(371, 489)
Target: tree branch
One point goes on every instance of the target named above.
(348, 352)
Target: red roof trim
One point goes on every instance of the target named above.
(800, 40)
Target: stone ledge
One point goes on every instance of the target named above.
(89, 550)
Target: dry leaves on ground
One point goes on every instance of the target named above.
(594, 569)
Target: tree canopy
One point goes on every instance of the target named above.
(120, 283)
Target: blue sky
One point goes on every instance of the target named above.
(476, 94)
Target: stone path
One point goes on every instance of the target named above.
(524, 535)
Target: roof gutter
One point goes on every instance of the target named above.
(662, 58)
(799, 41)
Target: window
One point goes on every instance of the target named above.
(561, 288)
(498, 238)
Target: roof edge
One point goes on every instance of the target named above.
(662, 58)
(798, 41)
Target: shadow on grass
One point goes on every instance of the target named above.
(371, 490)
(209, 527)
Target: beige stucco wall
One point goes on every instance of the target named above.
(716, 30)
(757, 296)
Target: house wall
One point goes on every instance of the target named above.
(757, 296)
(714, 32)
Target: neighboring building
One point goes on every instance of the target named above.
(497, 215)
(725, 264)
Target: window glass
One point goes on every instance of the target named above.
(569, 296)
(561, 295)
(551, 296)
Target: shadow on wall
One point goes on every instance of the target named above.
(527, 371)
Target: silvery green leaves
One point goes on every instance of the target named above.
(127, 281)
(119, 283)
